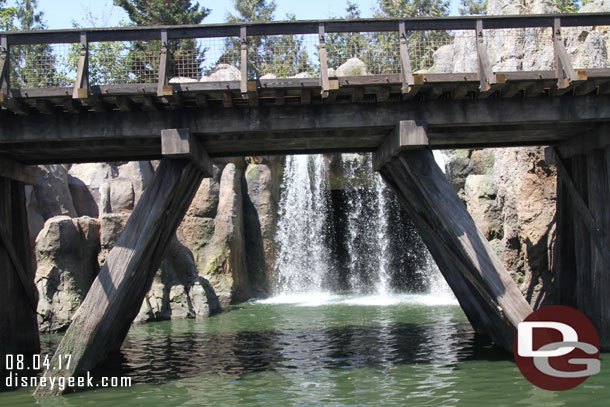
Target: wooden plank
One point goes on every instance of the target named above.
(181, 144)
(201, 100)
(148, 104)
(227, 99)
(405, 61)
(486, 76)
(81, 85)
(72, 106)
(16, 171)
(357, 95)
(16, 106)
(382, 93)
(280, 97)
(125, 104)
(488, 295)
(585, 88)
(324, 84)
(305, 96)
(115, 297)
(45, 107)
(251, 88)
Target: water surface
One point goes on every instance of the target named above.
(319, 350)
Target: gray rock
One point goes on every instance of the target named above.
(269, 76)
(223, 72)
(352, 67)
(52, 192)
(66, 255)
(182, 79)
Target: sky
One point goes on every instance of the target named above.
(101, 13)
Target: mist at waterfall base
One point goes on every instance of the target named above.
(342, 237)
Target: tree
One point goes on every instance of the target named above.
(569, 6)
(279, 55)
(473, 7)
(7, 15)
(33, 66)
(143, 58)
(342, 46)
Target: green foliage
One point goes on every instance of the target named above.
(569, 6)
(7, 15)
(342, 46)
(33, 66)
(472, 7)
(280, 55)
(143, 57)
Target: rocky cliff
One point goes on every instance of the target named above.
(511, 192)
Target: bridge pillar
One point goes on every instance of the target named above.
(115, 297)
(581, 257)
(486, 292)
(18, 294)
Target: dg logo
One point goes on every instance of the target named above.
(557, 348)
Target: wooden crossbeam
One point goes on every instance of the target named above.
(486, 76)
(324, 82)
(181, 144)
(406, 75)
(163, 88)
(81, 85)
(16, 171)
(563, 65)
(5, 63)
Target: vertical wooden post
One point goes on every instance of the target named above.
(486, 75)
(103, 319)
(324, 82)
(81, 85)
(18, 294)
(243, 84)
(163, 88)
(563, 66)
(489, 297)
(5, 68)
(405, 60)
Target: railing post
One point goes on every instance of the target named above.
(163, 88)
(563, 66)
(486, 75)
(5, 68)
(405, 60)
(81, 85)
(243, 85)
(324, 83)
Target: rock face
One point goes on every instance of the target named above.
(352, 67)
(510, 192)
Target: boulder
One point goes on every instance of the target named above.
(223, 261)
(269, 76)
(352, 67)
(223, 72)
(52, 192)
(66, 254)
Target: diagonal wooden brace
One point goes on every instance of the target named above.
(5, 63)
(406, 74)
(486, 76)
(324, 82)
(163, 87)
(115, 297)
(81, 85)
(563, 65)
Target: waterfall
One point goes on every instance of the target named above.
(303, 260)
(368, 246)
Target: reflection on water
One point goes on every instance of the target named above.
(318, 350)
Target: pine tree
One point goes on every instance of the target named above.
(186, 56)
(33, 66)
(474, 7)
(342, 46)
(7, 15)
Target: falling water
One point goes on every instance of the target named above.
(303, 261)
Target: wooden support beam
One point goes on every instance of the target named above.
(72, 106)
(227, 99)
(181, 144)
(323, 62)
(434, 92)
(98, 104)
(280, 97)
(201, 100)
(563, 65)
(488, 295)
(17, 106)
(406, 74)
(382, 93)
(125, 104)
(81, 85)
(357, 95)
(409, 134)
(18, 302)
(5, 68)
(486, 76)
(459, 92)
(252, 90)
(115, 297)
(305, 96)
(44, 106)
(148, 104)
(243, 83)
(16, 171)
(163, 87)
(582, 143)
(419, 82)
(585, 88)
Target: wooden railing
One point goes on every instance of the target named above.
(403, 27)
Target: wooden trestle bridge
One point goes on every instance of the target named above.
(398, 116)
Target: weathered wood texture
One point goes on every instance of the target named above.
(18, 295)
(489, 297)
(103, 319)
(582, 249)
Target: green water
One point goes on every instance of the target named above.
(327, 351)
